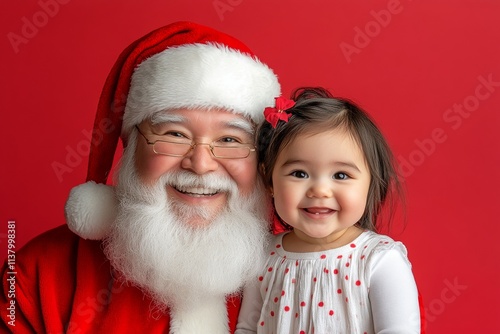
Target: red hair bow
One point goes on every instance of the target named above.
(273, 115)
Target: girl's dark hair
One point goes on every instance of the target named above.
(315, 111)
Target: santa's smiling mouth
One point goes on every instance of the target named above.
(196, 191)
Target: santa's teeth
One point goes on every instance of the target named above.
(197, 190)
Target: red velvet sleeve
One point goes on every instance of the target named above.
(39, 270)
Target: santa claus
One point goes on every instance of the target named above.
(169, 247)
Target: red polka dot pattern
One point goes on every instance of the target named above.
(327, 284)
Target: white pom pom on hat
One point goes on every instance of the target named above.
(91, 210)
(181, 65)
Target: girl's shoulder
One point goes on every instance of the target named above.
(379, 242)
(375, 246)
(375, 242)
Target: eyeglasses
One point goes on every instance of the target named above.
(179, 149)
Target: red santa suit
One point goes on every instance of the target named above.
(64, 284)
(63, 281)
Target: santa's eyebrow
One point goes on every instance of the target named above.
(241, 124)
(165, 117)
(238, 124)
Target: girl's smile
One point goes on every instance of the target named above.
(318, 212)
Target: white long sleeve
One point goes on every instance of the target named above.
(393, 294)
(251, 307)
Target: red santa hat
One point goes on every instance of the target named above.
(182, 65)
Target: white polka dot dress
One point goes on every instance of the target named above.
(322, 292)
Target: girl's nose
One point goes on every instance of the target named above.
(320, 189)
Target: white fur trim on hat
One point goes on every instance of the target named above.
(91, 210)
(200, 76)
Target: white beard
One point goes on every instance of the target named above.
(184, 267)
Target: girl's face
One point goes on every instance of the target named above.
(320, 185)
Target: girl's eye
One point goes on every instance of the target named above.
(299, 174)
(340, 176)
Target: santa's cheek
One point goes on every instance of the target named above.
(151, 167)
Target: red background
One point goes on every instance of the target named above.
(412, 64)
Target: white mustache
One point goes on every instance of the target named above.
(207, 184)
